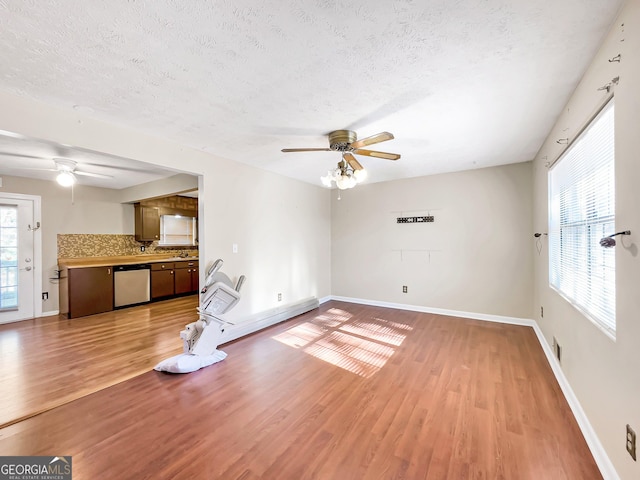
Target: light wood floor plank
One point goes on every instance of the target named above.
(343, 392)
(51, 361)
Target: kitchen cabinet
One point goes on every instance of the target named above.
(87, 287)
(186, 277)
(147, 223)
(89, 291)
(162, 280)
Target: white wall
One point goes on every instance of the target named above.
(476, 257)
(95, 210)
(604, 374)
(282, 226)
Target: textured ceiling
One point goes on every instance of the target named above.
(460, 83)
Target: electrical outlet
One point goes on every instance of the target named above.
(404, 289)
(142, 248)
(541, 312)
(45, 295)
(631, 442)
(279, 297)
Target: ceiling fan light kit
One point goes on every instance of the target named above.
(344, 176)
(349, 171)
(65, 178)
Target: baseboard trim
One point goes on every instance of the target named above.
(50, 313)
(439, 311)
(267, 319)
(600, 456)
(603, 461)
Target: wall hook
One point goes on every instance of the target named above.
(31, 229)
(617, 58)
(563, 141)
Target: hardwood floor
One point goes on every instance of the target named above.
(343, 392)
(51, 361)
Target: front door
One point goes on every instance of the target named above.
(17, 266)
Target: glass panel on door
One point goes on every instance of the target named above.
(8, 257)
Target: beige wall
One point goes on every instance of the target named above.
(281, 226)
(178, 183)
(476, 256)
(604, 374)
(95, 210)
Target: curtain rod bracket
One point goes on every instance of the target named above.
(609, 241)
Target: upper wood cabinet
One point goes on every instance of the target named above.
(148, 213)
(147, 223)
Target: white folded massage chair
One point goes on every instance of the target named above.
(217, 297)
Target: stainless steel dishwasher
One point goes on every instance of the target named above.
(131, 285)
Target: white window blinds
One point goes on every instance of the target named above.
(581, 212)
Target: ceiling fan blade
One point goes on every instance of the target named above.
(377, 138)
(20, 155)
(89, 174)
(286, 150)
(373, 153)
(114, 167)
(351, 160)
(38, 169)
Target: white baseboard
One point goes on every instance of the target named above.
(440, 311)
(50, 313)
(605, 465)
(325, 299)
(268, 318)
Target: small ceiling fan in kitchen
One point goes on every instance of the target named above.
(349, 171)
(67, 171)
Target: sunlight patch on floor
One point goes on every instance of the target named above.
(362, 347)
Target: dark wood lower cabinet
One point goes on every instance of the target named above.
(162, 280)
(186, 277)
(90, 291)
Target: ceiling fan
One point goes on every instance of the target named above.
(67, 171)
(349, 171)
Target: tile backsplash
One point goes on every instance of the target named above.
(104, 245)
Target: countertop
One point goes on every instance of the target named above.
(85, 262)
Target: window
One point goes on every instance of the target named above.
(581, 212)
(177, 230)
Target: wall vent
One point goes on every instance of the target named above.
(557, 350)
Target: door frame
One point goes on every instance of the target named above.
(37, 248)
